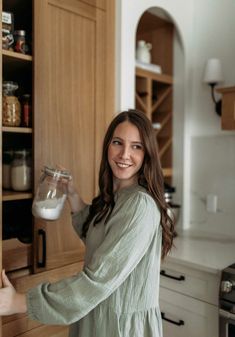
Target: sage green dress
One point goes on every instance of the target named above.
(116, 295)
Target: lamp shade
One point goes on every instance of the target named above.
(213, 71)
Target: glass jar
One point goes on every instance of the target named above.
(6, 169)
(11, 110)
(26, 119)
(51, 194)
(21, 170)
(20, 42)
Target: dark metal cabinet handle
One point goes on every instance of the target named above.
(180, 278)
(42, 263)
(180, 321)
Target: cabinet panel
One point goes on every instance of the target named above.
(18, 324)
(68, 103)
(228, 108)
(191, 282)
(185, 316)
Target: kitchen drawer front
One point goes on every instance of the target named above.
(192, 282)
(47, 331)
(187, 317)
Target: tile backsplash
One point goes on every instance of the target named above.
(213, 173)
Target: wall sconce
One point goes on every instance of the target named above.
(212, 76)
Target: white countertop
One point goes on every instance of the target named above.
(204, 251)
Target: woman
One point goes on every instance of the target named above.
(127, 230)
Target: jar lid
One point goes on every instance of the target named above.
(10, 85)
(20, 32)
(55, 172)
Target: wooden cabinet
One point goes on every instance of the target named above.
(185, 316)
(189, 301)
(20, 324)
(228, 108)
(70, 76)
(154, 91)
(16, 218)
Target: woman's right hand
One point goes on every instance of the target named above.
(75, 201)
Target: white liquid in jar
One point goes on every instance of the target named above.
(49, 209)
(21, 178)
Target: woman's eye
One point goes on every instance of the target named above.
(137, 147)
(116, 142)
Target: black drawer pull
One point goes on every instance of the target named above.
(180, 322)
(42, 263)
(180, 278)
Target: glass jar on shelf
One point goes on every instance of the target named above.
(51, 194)
(11, 109)
(26, 118)
(21, 170)
(20, 42)
(6, 168)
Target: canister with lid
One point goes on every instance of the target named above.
(20, 42)
(21, 170)
(11, 109)
(51, 194)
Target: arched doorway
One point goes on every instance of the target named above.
(159, 90)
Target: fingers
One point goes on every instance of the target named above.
(5, 280)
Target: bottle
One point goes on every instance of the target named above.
(26, 118)
(11, 109)
(51, 194)
(21, 170)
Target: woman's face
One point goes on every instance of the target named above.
(125, 155)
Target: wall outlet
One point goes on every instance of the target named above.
(211, 203)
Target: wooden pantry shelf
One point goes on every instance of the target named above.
(12, 195)
(14, 129)
(19, 56)
(162, 78)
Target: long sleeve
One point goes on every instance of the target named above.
(129, 233)
(78, 220)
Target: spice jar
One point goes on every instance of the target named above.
(26, 119)
(20, 42)
(11, 110)
(6, 169)
(21, 170)
(51, 194)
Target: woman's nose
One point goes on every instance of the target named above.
(125, 153)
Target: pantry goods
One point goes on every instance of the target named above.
(11, 109)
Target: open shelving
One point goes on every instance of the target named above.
(154, 90)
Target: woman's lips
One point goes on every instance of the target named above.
(123, 165)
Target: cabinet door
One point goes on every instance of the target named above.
(228, 110)
(70, 111)
(184, 316)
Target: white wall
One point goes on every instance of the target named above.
(206, 29)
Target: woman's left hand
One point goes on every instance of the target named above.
(11, 302)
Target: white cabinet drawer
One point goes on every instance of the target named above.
(187, 317)
(192, 282)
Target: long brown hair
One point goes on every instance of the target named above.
(150, 177)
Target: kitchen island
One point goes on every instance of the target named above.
(202, 250)
(190, 283)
